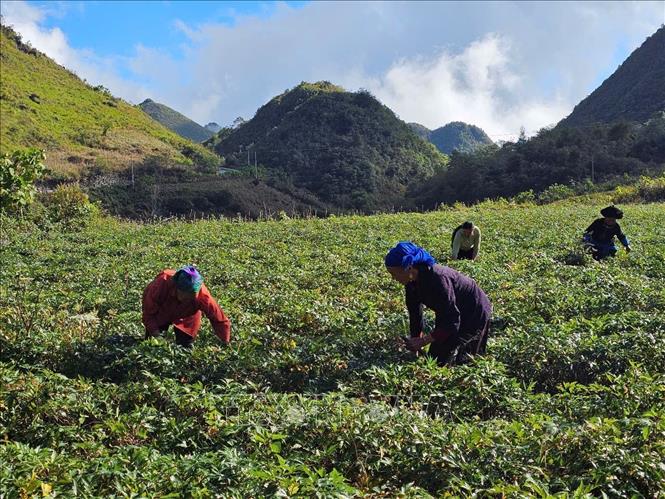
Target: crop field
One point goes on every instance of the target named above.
(315, 396)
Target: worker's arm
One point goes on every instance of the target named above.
(448, 317)
(152, 298)
(476, 242)
(622, 237)
(220, 323)
(457, 241)
(415, 309)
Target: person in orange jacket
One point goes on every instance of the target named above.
(178, 298)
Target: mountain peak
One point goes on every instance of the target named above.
(456, 135)
(634, 92)
(175, 121)
(345, 147)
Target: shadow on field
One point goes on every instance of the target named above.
(124, 358)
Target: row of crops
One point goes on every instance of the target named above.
(315, 395)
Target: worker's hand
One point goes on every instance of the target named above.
(417, 343)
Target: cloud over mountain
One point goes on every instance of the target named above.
(497, 65)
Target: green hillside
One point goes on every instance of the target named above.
(315, 397)
(564, 156)
(82, 127)
(420, 130)
(634, 92)
(455, 136)
(177, 191)
(346, 148)
(173, 120)
(459, 136)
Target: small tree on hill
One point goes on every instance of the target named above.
(18, 173)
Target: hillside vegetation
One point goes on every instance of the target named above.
(315, 396)
(173, 120)
(455, 136)
(81, 127)
(562, 156)
(346, 148)
(177, 191)
(459, 136)
(634, 92)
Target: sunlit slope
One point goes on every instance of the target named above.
(315, 396)
(42, 104)
(634, 92)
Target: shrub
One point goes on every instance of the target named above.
(18, 173)
(69, 202)
(525, 197)
(555, 192)
(646, 190)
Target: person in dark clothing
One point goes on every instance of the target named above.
(599, 236)
(463, 311)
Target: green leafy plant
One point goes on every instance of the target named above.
(315, 395)
(68, 202)
(18, 173)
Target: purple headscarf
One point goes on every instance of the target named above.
(188, 279)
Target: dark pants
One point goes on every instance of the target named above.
(600, 252)
(465, 254)
(182, 339)
(457, 350)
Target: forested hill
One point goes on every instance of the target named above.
(420, 130)
(344, 147)
(173, 120)
(634, 92)
(459, 136)
(455, 136)
(601, 152)
(81, 127)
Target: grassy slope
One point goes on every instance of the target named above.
(314, 311)
(173, 120)
(634, 92)
(70, 118)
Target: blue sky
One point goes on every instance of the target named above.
(499, 65)
(114, 28)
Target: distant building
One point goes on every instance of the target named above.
(227, 171)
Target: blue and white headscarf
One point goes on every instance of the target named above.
(406, 254)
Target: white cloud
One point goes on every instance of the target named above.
(499, 65)
(466, 87)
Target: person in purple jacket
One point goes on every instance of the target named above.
(462, 309)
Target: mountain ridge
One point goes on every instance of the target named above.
(81, 127)
(343, 146)
(634, 92)
(175, 121)
(453, 136)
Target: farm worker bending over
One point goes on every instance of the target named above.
(463, 311)
(178, 298)
(599, 236)
(466, 242)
